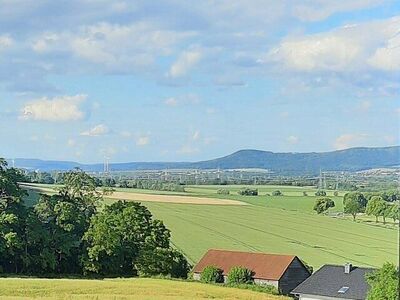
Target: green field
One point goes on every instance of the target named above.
(284, 224)
(126, 289)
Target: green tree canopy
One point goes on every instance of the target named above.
(323, 204)
(118, 234)
(354, 203)
(376, 207)
(384, 283)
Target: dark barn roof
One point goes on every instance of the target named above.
(329, 279)
(265, 266)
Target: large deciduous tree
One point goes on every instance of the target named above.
(12, 220)
(354, 203)
(118, 234)
(376, 207)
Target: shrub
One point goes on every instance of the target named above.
(248, 192)
(335, 193)
(240, 275)
(212, 274)
(277, 193)
(223, 192)
(305, 194)
(320, 193)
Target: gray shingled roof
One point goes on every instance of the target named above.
(329, 279)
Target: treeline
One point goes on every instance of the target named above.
(65, 233)
(378, 204)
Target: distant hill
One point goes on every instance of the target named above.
(353, 159)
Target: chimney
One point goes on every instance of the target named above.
(347, 268)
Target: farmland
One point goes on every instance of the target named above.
(281, 224)
(19, 288)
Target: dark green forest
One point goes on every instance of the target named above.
(72, 233)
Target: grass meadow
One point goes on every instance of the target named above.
(126, 289)
(283, 224)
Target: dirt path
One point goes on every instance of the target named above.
(173, 199)
(152, 197)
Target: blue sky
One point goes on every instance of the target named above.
(192, 80)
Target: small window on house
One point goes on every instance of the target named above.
(343, 290)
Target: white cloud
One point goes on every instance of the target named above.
(349, 140)
(292, 139)
(196, 135)
(185, 62)
(348, 48)
(171, 101)
(5, 41)
(143, 140)
(113, 47)
(57, 109)
(123, 47)
(187, 99)
(97, 130)
(387, 58)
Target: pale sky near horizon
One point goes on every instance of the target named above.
(192, 80)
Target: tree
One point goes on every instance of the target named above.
(354, 203)
(320, 193)
(383, 283)
(395, 211)
(82, 188)
(248, 192)
(376, 207)
(162, 261)
(323, 204)
(12, 220)
(62, 219)
(118, 234)
(277, 193)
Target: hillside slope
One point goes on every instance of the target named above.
(353, 159)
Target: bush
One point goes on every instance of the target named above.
(320, 193)
(223, 192)
(305, 194)
(248, 192)
(277, 193)
(212, 274)
(240, 275)
(335, 193)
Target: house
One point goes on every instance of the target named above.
(333, 282)
(285, 272)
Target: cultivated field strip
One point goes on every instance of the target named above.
(260, 229)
